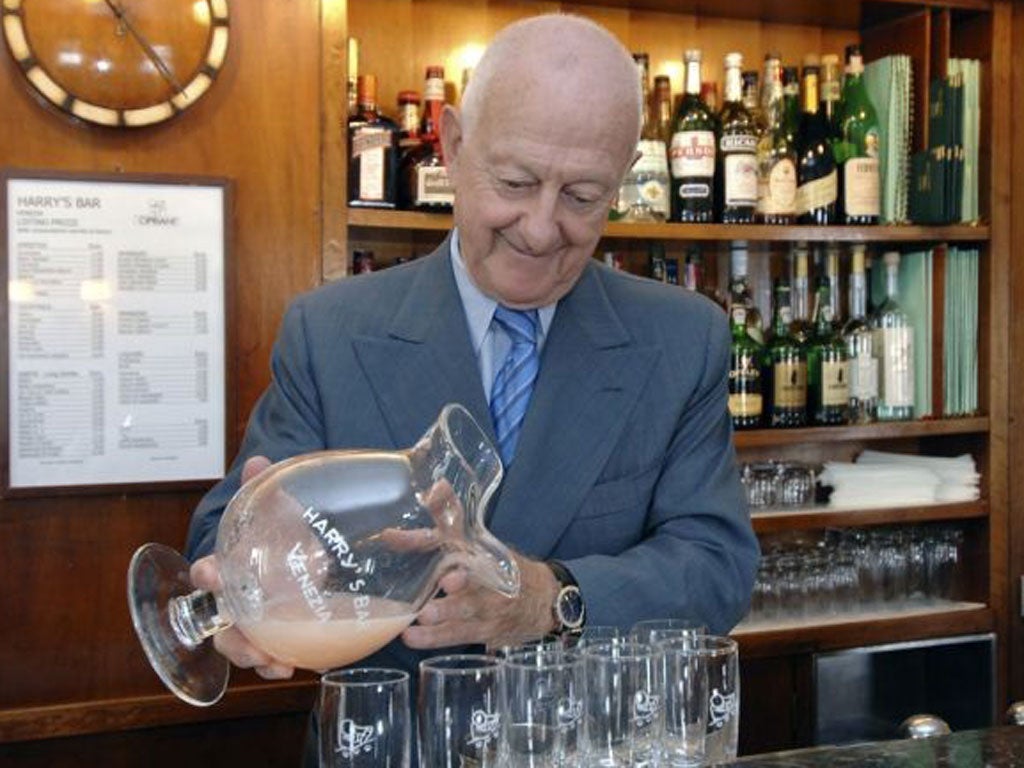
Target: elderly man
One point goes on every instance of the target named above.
(606, 393)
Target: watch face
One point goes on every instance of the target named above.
(570, 607)
(118, 62)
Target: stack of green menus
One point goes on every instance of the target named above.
(890, 83)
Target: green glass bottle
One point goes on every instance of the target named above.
(746, 402)
(828, 376)
(802, 324)
(692, 153)
(784, 369)
(736, 159)
(857, 152)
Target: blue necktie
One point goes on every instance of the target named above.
(513, 384)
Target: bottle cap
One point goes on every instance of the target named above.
(408, 97)
(691, 54)
(734, 59)
(892, 258)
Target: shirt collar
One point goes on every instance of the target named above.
(479, 307)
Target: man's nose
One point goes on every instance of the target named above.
(540, 227)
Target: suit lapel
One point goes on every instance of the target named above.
(591, 375)
(426, 358)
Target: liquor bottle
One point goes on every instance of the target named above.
(373, 152)
(646, 190)
(784, 368)
(410, 145)
(740, 292)
(776, 158)
(656, 260)
(752, 97)
(859, 340)
(817, 179)
(831, 88)
(831, 270)
(353, 77)
(693, 151)
(694, 277)
(663, 109)
(429, 186)
(802, 326)
(791, 103)
(859, 174)
(828, 386)
(736, 159)
(746, 403)
(894, 349)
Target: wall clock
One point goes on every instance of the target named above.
(118, 63)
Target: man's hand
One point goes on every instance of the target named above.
(231, 643)
(470, 613)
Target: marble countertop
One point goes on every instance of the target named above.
(989, 748)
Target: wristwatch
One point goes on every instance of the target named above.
(569, 610)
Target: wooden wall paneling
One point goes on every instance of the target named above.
(1015, 638)
(65, 638)
(909, 35)
(333, 127)
(996, 180)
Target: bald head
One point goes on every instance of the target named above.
(557, 61)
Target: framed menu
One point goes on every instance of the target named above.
(116, 317)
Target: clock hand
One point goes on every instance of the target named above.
(150, 52)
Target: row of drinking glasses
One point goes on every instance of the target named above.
(850, 570)
(779, 483)
(658, 696)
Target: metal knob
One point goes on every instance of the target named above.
(1015, 714)
(923, 727)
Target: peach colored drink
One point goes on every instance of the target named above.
(319, 645)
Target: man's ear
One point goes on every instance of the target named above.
(451, 135)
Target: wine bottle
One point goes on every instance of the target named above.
(827, 367)
(802, 327)
(736, 160)
(693, 151)
(858, 153)
(776, 158)
(784, 368)
(740, 292)
(817, 179)
(429, 184)
(894, 349)
(746, 402)
(859, 341)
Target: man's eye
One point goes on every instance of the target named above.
(515, 183)
(580, 198)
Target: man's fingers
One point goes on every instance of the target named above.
(205, 574)
(253, 466)
(454, 581)
(239, 651)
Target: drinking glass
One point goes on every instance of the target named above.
(542, 717)
(601, 633)
(685, 673)
(460, 700)
(720, 655)
(623, 711)
(653, 631)
(364, 719)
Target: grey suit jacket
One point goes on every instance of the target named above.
(625, 468)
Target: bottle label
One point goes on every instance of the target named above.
(740, 179)
(433, 187)
(790, 384)
(651, 178)
(895, 347)
(861, 187)
(777, 195)
(409, 118)
(745, 404)
(368, 146)
(653, 158)
(687, 191)
(835, 386)
(817, 194)
(739, 142)
(863, 378)
(433, 89)
(693, 154)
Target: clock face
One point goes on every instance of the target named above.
(119, 63)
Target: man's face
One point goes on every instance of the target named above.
(532, 195)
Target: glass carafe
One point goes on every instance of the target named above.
(326, 557)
